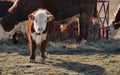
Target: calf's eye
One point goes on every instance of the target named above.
(35, 20)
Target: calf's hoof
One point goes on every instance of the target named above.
(83, 42)
(43, 60)
(32, 61)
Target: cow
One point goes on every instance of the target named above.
(115, 23)
(61, 9)
(4, 6)
(20, 27)
(39, 29)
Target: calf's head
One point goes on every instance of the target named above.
(40, 19)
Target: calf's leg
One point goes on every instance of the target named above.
(43, 50)
(32, 45)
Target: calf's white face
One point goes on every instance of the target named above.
(40, 19)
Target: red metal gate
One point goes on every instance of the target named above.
(103, 12)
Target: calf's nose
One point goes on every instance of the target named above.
(40, 29)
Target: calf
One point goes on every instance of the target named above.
(39, 30)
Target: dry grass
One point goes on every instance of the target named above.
(64, 58)
(100, 58)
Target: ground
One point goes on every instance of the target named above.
(64, 58)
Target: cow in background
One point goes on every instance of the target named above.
(61, 9)
(19, 28)
(4, 6)
(115, 23)
(14, 33)
(39, 29)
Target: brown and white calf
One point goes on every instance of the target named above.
(39, 30)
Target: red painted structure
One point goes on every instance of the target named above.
(103, 12)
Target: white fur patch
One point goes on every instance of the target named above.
(113, 32)
(83, 42)
(39, 38)
(20, 27)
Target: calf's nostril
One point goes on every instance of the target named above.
(40, 29)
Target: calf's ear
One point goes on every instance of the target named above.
(50, 18)
(31, 16)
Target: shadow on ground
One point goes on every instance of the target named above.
(81, 68)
